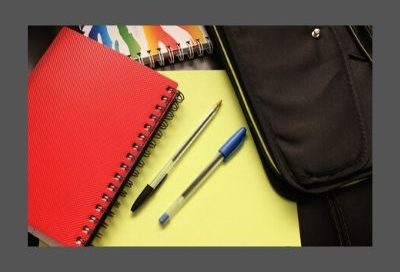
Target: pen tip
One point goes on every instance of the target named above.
(218, 104)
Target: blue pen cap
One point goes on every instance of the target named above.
(227, 149)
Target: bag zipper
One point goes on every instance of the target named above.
(360, 43)
(247, 108)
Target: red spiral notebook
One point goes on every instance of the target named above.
(92, 114)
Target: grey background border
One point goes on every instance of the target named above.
(14, 20)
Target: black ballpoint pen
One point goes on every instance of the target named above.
(162, 175)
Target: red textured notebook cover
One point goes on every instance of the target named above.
(87, 108)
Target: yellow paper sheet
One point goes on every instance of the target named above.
(236, 206)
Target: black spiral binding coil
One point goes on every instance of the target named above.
(115, 188)
(193, 47)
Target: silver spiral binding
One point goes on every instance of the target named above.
(140, 58)
(171, 55)
(192, 47)
(181, 56)
(200, 48)
(129, 167)
(161, 61)
(191, 50)
(152, 62)
(210, 47)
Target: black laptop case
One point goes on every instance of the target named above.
(306, 92)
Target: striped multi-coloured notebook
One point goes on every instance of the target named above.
(153, 45)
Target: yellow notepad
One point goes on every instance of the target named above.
(236, 206)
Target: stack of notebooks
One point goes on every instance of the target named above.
(93, 115)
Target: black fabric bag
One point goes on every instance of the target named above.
(307, 96)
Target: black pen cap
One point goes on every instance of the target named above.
(148, 190)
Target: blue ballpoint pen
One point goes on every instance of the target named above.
(223, 154)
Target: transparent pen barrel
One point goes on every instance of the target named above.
(162, 175)
(175, 206)
(181, 200)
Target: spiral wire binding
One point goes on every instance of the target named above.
(210, 47)
(171, 55)
(115, 188)
(160, 57)
(191, 50)
(193, 47)
(181, 56)
(140, 58)
(152, 62)
(200, 48)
